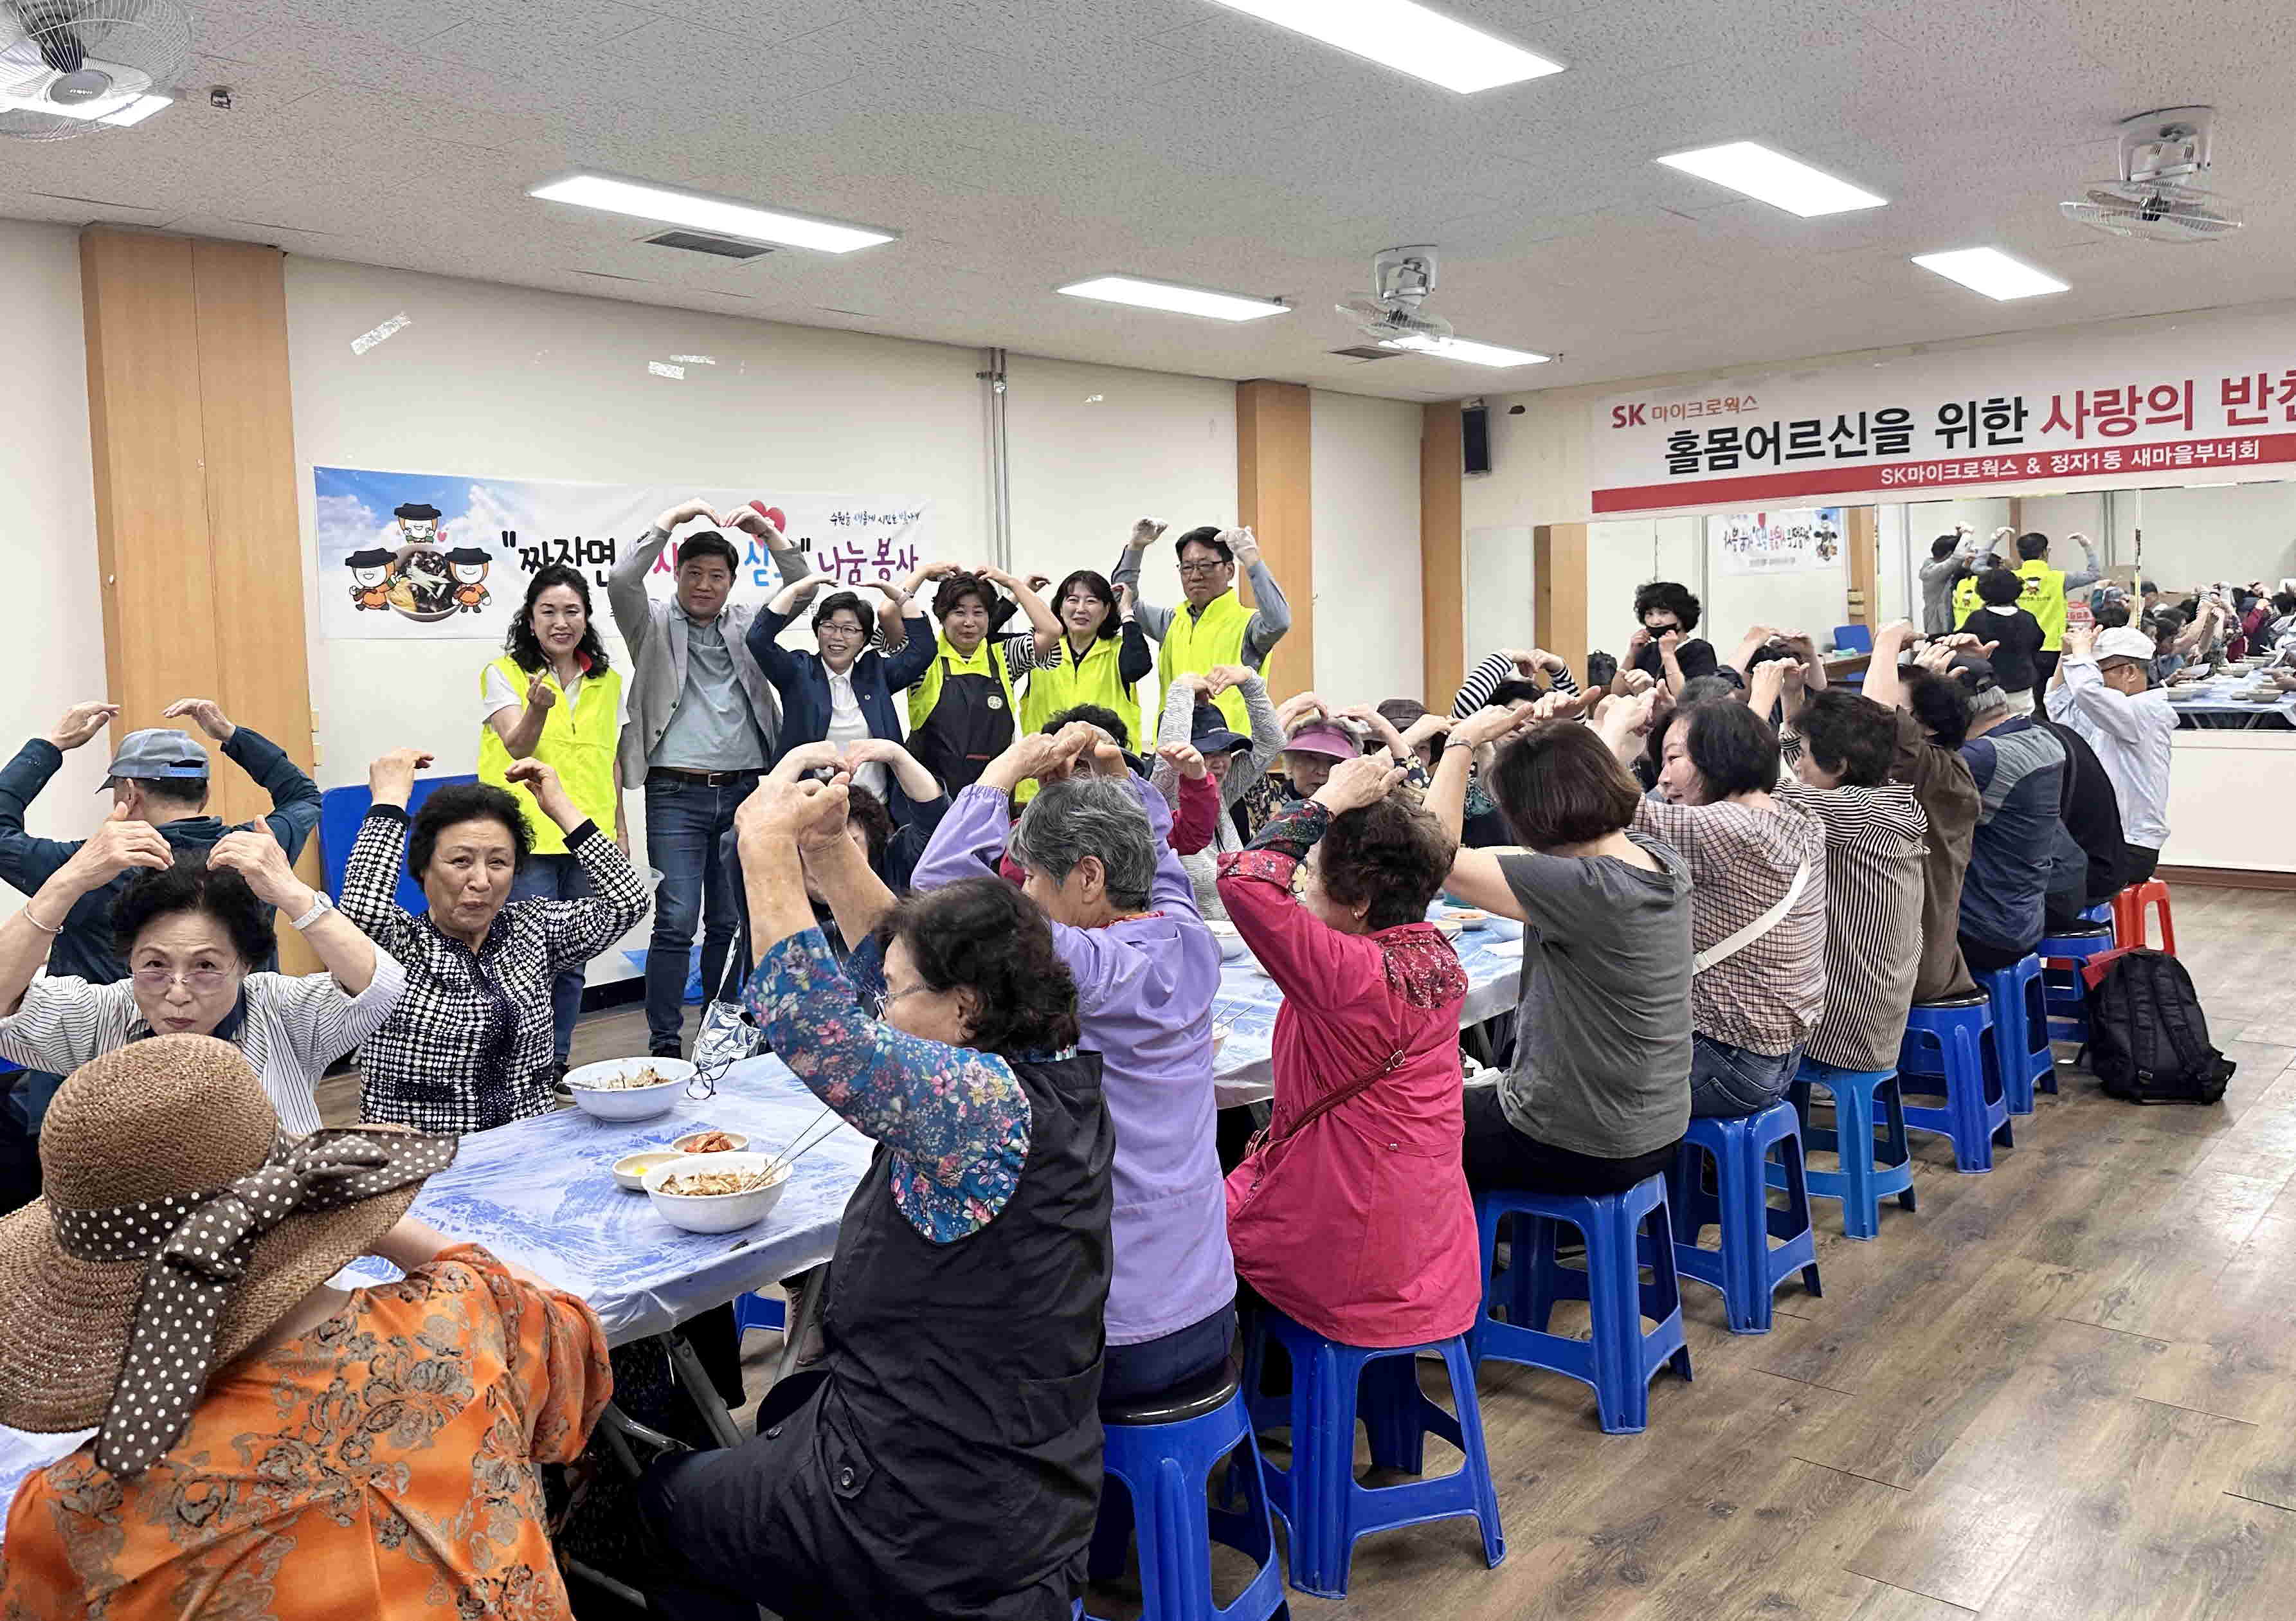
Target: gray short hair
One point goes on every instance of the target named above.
(1988, 702)
(1096, 817)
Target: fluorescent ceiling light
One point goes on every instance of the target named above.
(1173, 296)
(707, 212)
(141, 108)
(1408, 37)
(1773, 178)
(1991, 272)
(1460, 349)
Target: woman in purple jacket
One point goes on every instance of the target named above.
(1095, 845)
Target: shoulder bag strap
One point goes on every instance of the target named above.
(1331, 1099)
(1731, 944)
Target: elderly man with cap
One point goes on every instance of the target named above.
(266, 1442)
(2103, 690)
(1235, 762)
(161, 776)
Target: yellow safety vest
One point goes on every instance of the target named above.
(1965, 599)
(986, 659)
(2044, 597)
(579, 741)
(1094, 680)
(1194, 646)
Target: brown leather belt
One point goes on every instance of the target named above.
(703, 778)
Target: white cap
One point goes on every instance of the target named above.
(2124, 642)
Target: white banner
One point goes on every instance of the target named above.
(2192, 398)
(427, 557)
(1771, 543)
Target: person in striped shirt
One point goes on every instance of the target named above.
(190, 932)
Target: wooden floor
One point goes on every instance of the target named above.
(2066, 1389)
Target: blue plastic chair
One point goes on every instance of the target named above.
(1745, 1267)
(1618, 1359)
(2020, 1032)
(758, 1312)
(2065, 991)
(1948, 1048)
(1318, 1496)
(1165, 1449)
(1853, 639)
(1865, 1178)
(341, 813)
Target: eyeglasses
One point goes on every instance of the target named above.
(199, 979)
(1198, 570)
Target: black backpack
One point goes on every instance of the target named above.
(2148, 1040)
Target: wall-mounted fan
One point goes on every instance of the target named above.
(68, 67)
(2162, 194)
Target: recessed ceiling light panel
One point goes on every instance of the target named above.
(1408, 37)
(704, 212)
(1991, 272)
(1176, 298)
(1773, 178)
(1461, 348)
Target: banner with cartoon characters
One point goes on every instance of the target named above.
(1768, 543)
(431, 556)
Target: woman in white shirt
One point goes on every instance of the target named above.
(554, 696)
(189, 933)
(844, 693)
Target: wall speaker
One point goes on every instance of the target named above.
(1475, 438)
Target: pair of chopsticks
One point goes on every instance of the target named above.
(803, 1143)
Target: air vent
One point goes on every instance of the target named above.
(1368, 351)
(701, 241)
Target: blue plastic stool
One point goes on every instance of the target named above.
(1620, 1358)
(2064, 992)
(757, 1311)
(1951, 1043)
(1165, 1448)
(1864, 1178)
(1318, 1496)
(1746, 1267)
(2020, 1032)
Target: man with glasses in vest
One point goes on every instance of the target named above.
(1215, 628)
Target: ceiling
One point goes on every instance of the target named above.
(1017, 144)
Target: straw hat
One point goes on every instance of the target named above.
(157, 1120)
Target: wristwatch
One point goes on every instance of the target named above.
(320, 907)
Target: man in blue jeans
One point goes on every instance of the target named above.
(703, 726)
(161, 776)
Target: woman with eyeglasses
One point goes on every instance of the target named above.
(843, 694)
(189, 933)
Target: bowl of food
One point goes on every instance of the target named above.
(1465, 917)
(629, 1088)
(710, 1142)
(630, 1169)
(1449, 928)
(716, 1192)
(1231, 942)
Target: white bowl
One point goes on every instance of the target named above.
(1231, 942)
(1465, 917)
(715, 1212)
(630, 1169)
(629, 1103)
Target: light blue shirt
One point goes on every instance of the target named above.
(713, 727)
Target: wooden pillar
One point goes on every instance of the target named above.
(1442, 586)
(1863, 541)
(1559, 591)
(1273, 481)
(198, 541)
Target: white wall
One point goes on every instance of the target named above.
(2238, 532)
(1365, 510)
(1502, 609)
(53, 655)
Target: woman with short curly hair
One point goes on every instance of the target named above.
(963, 710)
(1661, 646)
(1351, 1216)
(961, 1375)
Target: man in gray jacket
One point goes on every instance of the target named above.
(703, 726)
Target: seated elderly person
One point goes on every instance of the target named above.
(2103, 692)
(1932, 720)
(1351, 1215)
(191, 935)
(1094, 847)
(470, 1046)
(267, 1443)
(942, 1458)
(1236, 763)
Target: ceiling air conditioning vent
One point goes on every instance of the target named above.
(702, 241)
(1368, 351)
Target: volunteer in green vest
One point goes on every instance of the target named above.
(553, 698)
(1099, 657)
(1215, 628)
(962, 709)
(2045, 599)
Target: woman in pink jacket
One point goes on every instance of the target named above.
(1351, 1215)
